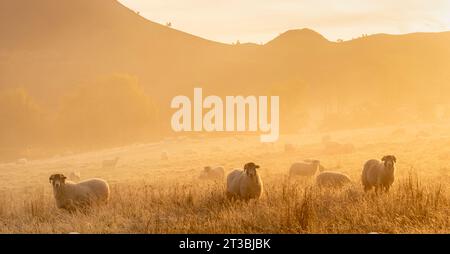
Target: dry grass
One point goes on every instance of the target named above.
(146, 198)
(287, 207)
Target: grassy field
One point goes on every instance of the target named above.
(149, 195)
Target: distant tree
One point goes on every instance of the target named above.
(340, 40)
(112, 111)
(21, 118)
(169, 24)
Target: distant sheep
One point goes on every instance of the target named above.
(307, 168)
(245, 184)
(332, 179)
(71, 196)
(208, 173)
(321, 167)
(379, 174)
(110, 164)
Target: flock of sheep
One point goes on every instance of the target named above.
(243, 184)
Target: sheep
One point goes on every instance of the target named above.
(110, 164)
(75, 176)
(245, 184)
(71, 196)
(379, 174)
(321, 167)
(332, 179)
(209, 173)
(307, 168)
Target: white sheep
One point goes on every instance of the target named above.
(245, 184)
(379, 174)
(307, 168)
(70, 196)
(209, 173)
(332, 179)
(110, 164)
(321, 167)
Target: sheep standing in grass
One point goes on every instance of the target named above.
(245, 184)
(307, 168)
(110, 164)
(71, 196)
(332, 179)
(379, 174)
(208, 173)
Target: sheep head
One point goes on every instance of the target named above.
(57, 180)
(250, 169)
(389, 163)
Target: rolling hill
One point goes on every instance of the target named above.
(49, 47)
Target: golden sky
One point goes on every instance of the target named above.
(261, 20)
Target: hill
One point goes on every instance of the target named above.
(50, 47)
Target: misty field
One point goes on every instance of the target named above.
(150, 195)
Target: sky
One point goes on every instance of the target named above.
(260, 21)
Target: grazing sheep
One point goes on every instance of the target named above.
(110, 164)
(379, 174)
(332, 179)
(245, 184)
(75, 176)
(321, 167)
(209, 173)
(70, 195)
(164, 156)
(307, 168)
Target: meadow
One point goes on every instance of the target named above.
(150, 195)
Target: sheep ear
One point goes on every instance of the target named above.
(384, 158)
(50, 179)
(394, 158)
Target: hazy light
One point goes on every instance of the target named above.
(262, 20)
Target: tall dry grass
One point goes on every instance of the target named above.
(412, 206)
